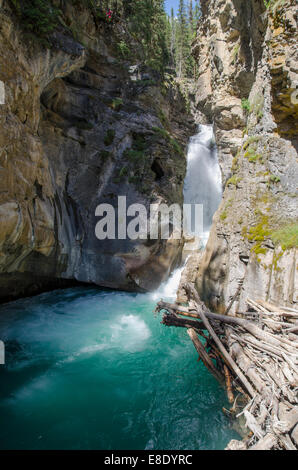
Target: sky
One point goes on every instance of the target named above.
(171, 4)
(174, 4)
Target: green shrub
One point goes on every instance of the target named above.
(274, 179)
(139, 142)
(273, 4)
(134, 179)
(134, 155)
(235, 53)
(104, 154)
(176, 147)
(37, 17)
(261, 231)
(252, 156)
(123, 172)
(173, 142)
(146, 82)
(286, 236)
(234, 180)
(109, 137)
(224, 213)
(235, 163)
(251, 140)
(245, 104)
(258, 105)
(162, 132)
(123, 49)
(163, 118)
(116, 103)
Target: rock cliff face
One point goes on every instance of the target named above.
(80, 126)
(247, 59)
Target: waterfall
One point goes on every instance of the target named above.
(203, 183)
(168, 289)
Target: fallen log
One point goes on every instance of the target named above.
(184, 311)
(253, 424)
(246, 324)
(248, 368)
(266, 443)
(204, 355)
(293, 329)
(219, 344)
(259, 345)
(228, 384)
(286, 442)
(290, 418)
(234, 297)
(171, 320)
(258, 352)
(281, 311)
(269, 369)
(275, 308)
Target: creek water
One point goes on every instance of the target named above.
(94, 369)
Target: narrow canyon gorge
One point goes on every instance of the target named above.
(88, 115)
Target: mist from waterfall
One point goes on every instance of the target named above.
(203, 183)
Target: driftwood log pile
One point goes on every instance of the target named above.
(255, 356)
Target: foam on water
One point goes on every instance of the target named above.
(101, 372)
(130, 332)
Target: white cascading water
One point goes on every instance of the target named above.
(168, 289)
(202, 185)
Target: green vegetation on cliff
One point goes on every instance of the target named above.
(150, 35)
(286, 236)
(39, 18)
(144, 25)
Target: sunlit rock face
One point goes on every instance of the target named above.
(247, 58)
(78, 128)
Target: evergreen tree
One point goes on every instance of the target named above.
(172, 39)
(181, 39)
(190, 18)
(189, 60)
(196, 14)
(150, 27)
(186, 25)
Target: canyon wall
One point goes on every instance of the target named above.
(247, 62)
(81, 124)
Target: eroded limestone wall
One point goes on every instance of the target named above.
(247, 59)
(78, 128)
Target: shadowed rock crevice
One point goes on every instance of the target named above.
(157, 169)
